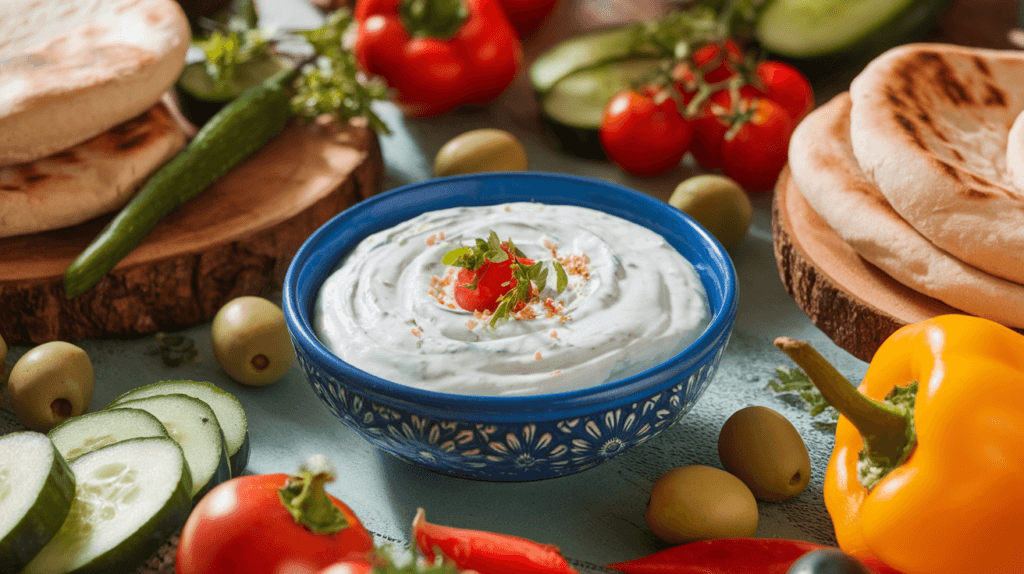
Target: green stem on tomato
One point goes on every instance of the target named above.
(887, 428)
(304, 497)
(433, 18)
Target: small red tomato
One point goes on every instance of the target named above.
(758, 151)
(242, 526)
(710, 127)
(492, 280)
(709, 53)
(643, 137)
(348, 568)
(786, 86)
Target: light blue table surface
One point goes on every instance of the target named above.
(595, 517)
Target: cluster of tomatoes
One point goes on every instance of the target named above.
(647, 131)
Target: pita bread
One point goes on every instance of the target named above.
(1015, 152)
(929, 126)
(70, 70)
(823, 165)
(88, 180)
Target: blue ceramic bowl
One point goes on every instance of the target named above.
(509, 438)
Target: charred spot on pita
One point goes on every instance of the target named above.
(908, 125)
(994, 96)
(894, 99)
(959, 156)
(950, 169)
(982, 66)
(973, 193)
(9, 187)
(29, 174)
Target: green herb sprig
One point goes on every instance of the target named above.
(473, 258)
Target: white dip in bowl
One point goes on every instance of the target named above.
(632, 302)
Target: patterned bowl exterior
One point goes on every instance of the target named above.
(511, 452)
(509, 438)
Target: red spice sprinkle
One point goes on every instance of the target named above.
(471, 324)
(553, 334)
(439, 236)
(555, 372)
(536, 356)
(577, 265)
(416, 332)
(550, 246)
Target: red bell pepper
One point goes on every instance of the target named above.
(730, 556)
(527, 15)
(438, 54)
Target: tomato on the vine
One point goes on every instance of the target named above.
(758, 150)
(644, 136)
(786, 86)
(244, 526)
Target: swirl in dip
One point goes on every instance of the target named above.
(632, 301)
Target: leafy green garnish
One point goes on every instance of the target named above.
(227, 49)
(796, 381)
(473, 258)
(334, 83)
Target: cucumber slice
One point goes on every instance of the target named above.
(200, 98)
(816, 28)
(230, 413)
(86, 433)
(193, 424)
(130, 498)
(36, 490)
(580, 52)
(574, 107)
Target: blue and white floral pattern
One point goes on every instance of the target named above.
(511, 452)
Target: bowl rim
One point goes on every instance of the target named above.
(518, 407)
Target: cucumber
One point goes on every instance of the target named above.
(574, 107)
(131, 497)
(193, 424)
(230, 413)
(200, 98)
(236, 132)
(86, 433)
(36, 491)
(864, 28)
(580, 52)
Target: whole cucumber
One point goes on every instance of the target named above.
(233, 134)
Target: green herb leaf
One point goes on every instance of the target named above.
(796, 381)
(562, 280)
(334, 83)
(228, 49)
(450, 257)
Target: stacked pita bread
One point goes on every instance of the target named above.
(82, 123)
(920, 169)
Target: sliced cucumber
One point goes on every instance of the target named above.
(86, 433)
(130, 498)
(193, 424)
(230, 413)
(817, 28)
(580, 52)
(36, 490)
(574, 107)
(200, 98)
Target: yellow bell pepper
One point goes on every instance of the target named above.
(932, 483)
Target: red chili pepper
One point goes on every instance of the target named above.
(730, 556)
(487, 552)
(438, 54)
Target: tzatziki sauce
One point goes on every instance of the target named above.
(632, 301)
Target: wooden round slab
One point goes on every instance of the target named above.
(853, 302)
(235, 238)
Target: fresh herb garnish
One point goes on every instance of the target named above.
(334, 83)
(527, 277)
(796, 381)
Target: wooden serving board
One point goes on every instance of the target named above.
(853, 302)
(236, 238)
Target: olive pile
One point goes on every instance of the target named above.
(764, 459)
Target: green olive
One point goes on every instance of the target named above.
(481, 150)
(766, 452)
(49, 384)
(250, 341)
(718, 203)
(696, 502)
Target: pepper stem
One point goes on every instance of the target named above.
(304, 497)
(887, 429)
(433, 18)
